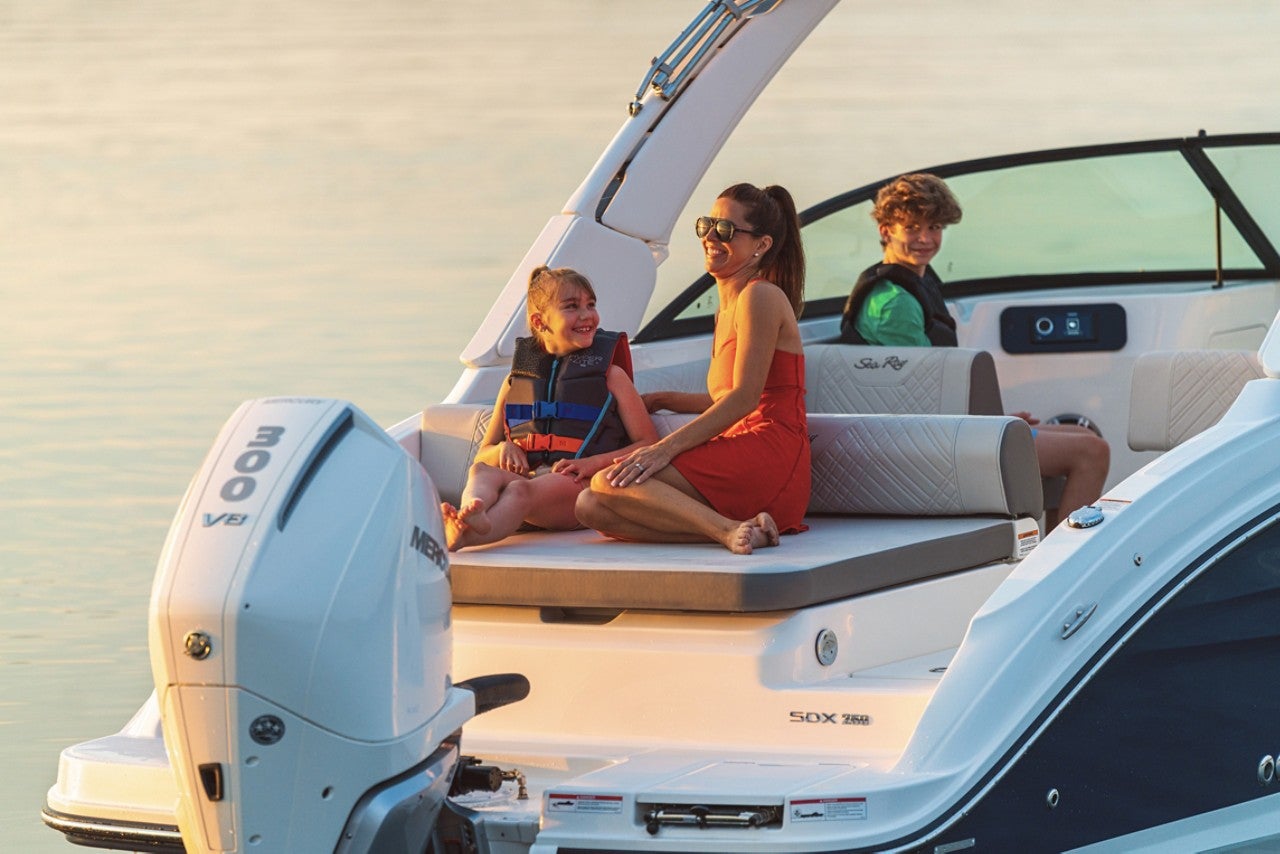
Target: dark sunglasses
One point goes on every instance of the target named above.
(724, 229)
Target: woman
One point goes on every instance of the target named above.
(738, 474)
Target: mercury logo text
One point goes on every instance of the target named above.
(427, 545)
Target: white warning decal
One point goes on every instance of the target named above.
(557, 802)
(829, 809)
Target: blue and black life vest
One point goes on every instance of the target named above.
(939, 325)
(561, 408)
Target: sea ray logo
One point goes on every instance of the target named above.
(869, 364)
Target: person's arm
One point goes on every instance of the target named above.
(495, 449)
(891, 316)
(758, 322)
(677, 401)
(635, 420)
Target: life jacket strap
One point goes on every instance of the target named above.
(519, 413)
(538, 442)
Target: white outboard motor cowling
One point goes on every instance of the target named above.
(300, 639)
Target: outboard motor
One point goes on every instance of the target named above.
(300, 639)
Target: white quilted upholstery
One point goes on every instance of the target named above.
(909, 465)
(451, 435)
(840, 378)
(928, 465)
(887, 380)
(689, 377)
(1176, 394)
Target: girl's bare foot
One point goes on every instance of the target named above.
(454, 527)
(466, 527)
(476, 517)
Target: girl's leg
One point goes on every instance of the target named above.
(546, 500)
(470, 519)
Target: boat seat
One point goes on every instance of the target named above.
(896, 499)
(1176, 394)
(872, 380)
(901, 380)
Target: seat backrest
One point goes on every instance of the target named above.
(451, 434)
(843, 378)
(862, 464)
(1176, 394)
(901, 380)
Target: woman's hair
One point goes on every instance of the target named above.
(772, 211)
(918, 196)
(544, 289)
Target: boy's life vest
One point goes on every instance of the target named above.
(561, 408)
(939, 325)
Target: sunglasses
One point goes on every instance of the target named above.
(723, 228)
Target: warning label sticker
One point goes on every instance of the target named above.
(584, 803)
(1027, 541)
(829, 809)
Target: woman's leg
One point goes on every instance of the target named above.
(667, 509)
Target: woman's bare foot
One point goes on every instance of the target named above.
(751, 535)
(765, 522)
(465, 527)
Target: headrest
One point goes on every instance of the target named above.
(1176, 394)
(901, 380)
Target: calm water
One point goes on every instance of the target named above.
(203, 203)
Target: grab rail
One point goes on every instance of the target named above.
(673, 67)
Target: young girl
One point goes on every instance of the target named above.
(567, 410)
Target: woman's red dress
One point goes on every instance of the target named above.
(761, 463)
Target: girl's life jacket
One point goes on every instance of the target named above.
(561, 408)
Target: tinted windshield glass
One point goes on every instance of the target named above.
(1103, 217)
(1254, 173)
(1127, 213)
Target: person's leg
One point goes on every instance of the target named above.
(470, 520)
(546, 501)
(667, 509)
(1079, 455)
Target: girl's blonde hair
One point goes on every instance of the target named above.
(544, 288)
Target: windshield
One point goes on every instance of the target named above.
(1096, 216)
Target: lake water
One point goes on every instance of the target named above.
(203, 203)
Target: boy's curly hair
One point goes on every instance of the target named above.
(917, 196)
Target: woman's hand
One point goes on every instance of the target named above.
(639, 465)
(511, 457)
